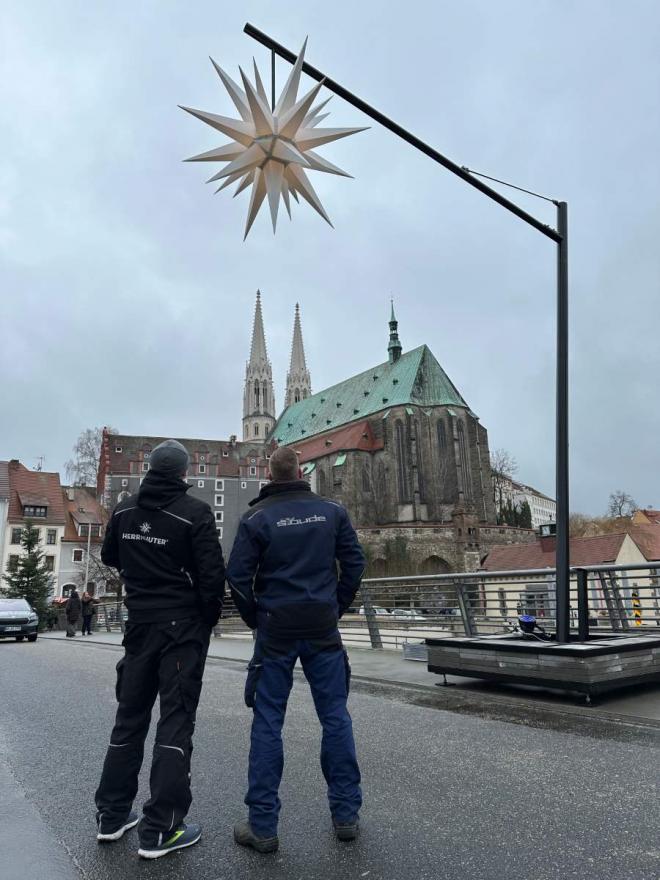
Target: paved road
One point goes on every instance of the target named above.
(446, 795)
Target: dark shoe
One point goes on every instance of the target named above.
(245, 836)
(107, 833)
(185, 835)
(346, 830)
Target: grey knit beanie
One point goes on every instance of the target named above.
(170, 458)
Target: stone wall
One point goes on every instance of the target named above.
(434, 549)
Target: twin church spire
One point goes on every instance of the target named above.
(259, 414)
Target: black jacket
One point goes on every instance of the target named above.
(283, 566)
(166, 548)
(73, 607)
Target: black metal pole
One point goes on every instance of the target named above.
(379, 117)
(272, 79)
(563, 552)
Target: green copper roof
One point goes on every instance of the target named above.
(415, 378)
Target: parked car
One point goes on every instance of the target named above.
(381, 612)
(18, 620)
(407, 614)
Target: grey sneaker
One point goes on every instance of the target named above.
(245, 836)
(346, 830)
(105, 833)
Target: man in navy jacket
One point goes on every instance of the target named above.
(284, 580)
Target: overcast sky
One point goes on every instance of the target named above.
(127, 292)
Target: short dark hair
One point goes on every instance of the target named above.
(284, 465)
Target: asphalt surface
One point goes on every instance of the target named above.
(447, 795)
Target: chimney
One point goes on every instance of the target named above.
(70, 494)
(548, 537)
(232, 440)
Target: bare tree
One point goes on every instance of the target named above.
(502, 466)
(83, 468)
(100, 573)
(621, 504)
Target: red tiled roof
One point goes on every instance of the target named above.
(647, 539)
(37, 484)
(599, 550)
(83, 497)
(356, 435)
(653, 516)
(4, 479)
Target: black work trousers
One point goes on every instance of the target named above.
(165, 659)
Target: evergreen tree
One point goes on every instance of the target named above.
(525, 515)
(29, 578)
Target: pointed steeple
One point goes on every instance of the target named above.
(258, 353)
(394, 348)
(298, 381)
(258, 394)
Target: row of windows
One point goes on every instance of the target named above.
(147, 451)
(51, 535)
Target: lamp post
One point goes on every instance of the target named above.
(560, 237)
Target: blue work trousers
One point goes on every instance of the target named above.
(270, 676)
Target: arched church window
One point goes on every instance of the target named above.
(420, 458)
(366, 478)
(256, 430)
(442, 436)
(402, 470)
(296, 395)
(465, 461)
(256, 394)
(264, 397)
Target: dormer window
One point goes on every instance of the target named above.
(35, 511)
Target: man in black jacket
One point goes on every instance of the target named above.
(283, 577)
(165, 546)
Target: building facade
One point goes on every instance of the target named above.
(4, 509)
(227, 474)
(35, 497)
(508, 491)
(535, 594)
(83, 537)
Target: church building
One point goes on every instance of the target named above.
(403, 451)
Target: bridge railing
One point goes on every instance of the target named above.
(397, 611)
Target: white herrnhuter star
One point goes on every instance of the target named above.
(145, 528)
(272, 149)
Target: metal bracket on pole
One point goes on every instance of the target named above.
(465, 609)
(583, 604)
(371, 618)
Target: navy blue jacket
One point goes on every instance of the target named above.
(282, 571)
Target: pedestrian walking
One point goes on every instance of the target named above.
(73, 609)
(89, 604)
(165, 544)
(283, 577)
